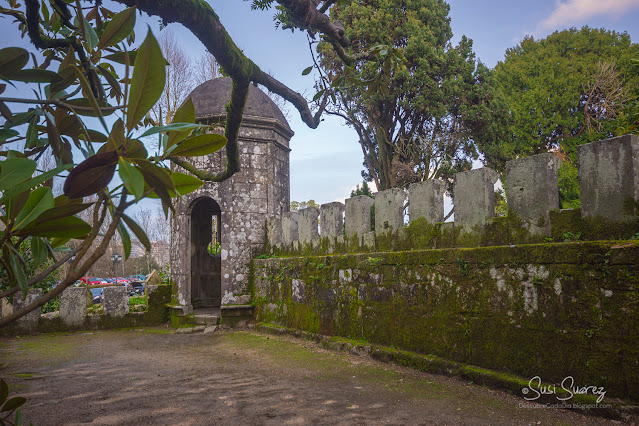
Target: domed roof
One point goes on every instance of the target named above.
(210, 98)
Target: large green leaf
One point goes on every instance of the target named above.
(184, 114)
(7, 134)
(155, 176)
(177, 127)
(40, 200)
(138, 231)
(34, 76)
(118, 28)
(13, 404)
(67, 227)
(199, 145)
(4, 391)
(82, 102)
(33, 182)
(18, 273)
(184, 183)
(120, 57)
(89, 34)
(147, 82)
(132, 178)
(126, 240)
(14, 171)
(12, 60)
(38, 251)
(63, 210)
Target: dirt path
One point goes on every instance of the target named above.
(153, 376)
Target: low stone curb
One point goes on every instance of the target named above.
(617, 409)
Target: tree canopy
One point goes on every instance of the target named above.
(561, 91)
(415, 123)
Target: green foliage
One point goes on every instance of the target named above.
(629, 118)
(296, 205)
(9, 406)
(413, 122)
(84, 84)
(559, 92)
(364, 190)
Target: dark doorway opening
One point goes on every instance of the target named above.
(206, 261)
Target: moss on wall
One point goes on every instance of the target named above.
(551, 309)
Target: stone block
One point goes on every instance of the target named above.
(358, 215)
(153, 279)
(426, 199)
(474, 193)
(307, 225)
(332, 219)
(368, 240)
(116, 301)
(609, 178)
(533, 190)
(289, 228)
(389, 210)
(274, 231)
(30, 320)
(73, 305)
(6, 308)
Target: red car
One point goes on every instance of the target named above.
(92, 280)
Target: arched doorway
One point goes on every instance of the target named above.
(206, 262)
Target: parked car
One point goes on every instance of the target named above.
(93, 281)
(136, 278)
(98, 294)
(136, 288)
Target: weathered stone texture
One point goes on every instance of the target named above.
(116, 301)
(332, 219)
(30, 320)
(307, 225)
(289, 228)
(274, 231)
(389, 210)
(609, 178)
(427, 201)
(358, 215)
(533, 190)
(73, 306)
(474, 193)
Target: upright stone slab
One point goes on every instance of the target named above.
(426, 199)
(116, 301)
(30, 320)
(274, 231)
(474, 193)
(307, 225)
(389, 210)
(358, 215)
(609, 178)
(73, 306)
(533, 190)
(289, 228)
(332, 219)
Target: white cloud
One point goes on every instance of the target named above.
(574, 12)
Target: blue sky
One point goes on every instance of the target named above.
(326, 162)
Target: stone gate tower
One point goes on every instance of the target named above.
(232, 212)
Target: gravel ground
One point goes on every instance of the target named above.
(153, 376)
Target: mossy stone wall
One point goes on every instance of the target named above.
(551, 310)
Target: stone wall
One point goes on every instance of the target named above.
(609, 186)
(73, 313)
(551, 310)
